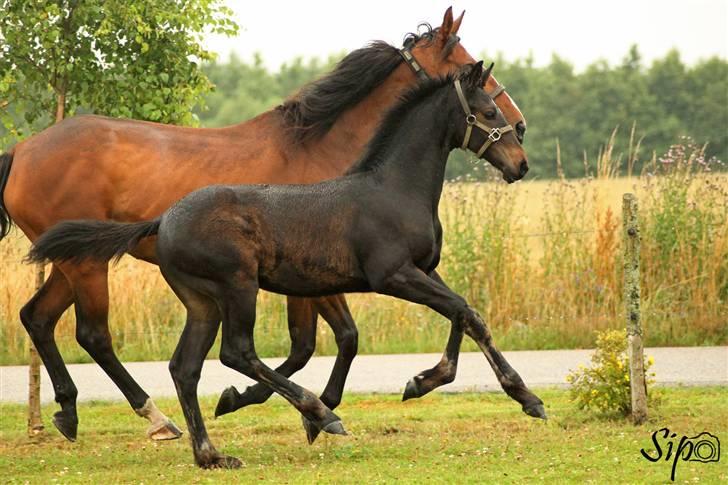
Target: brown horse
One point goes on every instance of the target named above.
(90, 167)
(376, 228)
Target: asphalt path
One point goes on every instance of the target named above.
(381, 373)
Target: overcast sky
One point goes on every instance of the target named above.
(580, 31)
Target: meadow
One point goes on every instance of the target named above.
(541, 260)
(443, 438)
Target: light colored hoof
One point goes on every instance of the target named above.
(164, 431)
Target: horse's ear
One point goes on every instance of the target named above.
(446, 27)
(456, 23)
(486, 73)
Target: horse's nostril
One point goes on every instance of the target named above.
(523, 168)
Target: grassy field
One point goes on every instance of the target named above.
(541, 260)
(467, 438)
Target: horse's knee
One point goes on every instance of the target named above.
(301, 351)
(92, 338)
(348, 342)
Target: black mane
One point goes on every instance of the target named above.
(374, 153)
(313, 110)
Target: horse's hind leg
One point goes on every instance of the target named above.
(336, 313)
(302, 329)
(238, 352)
(39, 317)
(90, 287)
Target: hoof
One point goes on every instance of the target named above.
(165, 431)
(335, 427)
(220, 461)
(228, 401)
(411, 390)
(312, 431)
(535, 411)
(67, 424)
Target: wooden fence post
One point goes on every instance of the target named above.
(35, 422)
(632, 307)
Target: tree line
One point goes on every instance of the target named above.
(578, 110)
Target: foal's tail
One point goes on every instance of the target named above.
(6, 160)
(90, 240)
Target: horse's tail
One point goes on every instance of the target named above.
(6, 160)
(90, 240)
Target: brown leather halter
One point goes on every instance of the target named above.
(494, 134)
(409, 58)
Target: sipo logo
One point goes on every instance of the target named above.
(704, 447)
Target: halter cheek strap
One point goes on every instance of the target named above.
(406, 53)
(494, 134)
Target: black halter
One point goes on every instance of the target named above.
(406, 53)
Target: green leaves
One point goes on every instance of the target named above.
(129, 58)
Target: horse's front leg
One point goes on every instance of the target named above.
(411, 284)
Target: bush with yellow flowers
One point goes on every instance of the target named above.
(603, 387)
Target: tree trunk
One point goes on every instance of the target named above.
(35, 421)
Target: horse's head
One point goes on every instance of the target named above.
(484, 129)
(439, 52)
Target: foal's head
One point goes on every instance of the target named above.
(485, 130)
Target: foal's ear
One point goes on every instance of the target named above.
(456, 24)
(486, 73)
(473, 74)
(446, 27)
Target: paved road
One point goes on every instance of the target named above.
(382, 373)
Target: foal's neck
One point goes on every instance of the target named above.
(414, 161)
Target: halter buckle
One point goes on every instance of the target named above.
(471, 119)
(494, 135)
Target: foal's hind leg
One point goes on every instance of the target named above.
(39, 317)
(336, 313)
(197, 337)
(238, 352)
(302, 329)
(89, 282)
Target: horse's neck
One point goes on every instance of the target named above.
(345, 142)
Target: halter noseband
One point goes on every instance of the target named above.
(494, 134)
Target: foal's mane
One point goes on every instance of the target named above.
(311, 112)
(373, 156)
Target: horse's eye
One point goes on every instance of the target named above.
(520, 130)
(490, 114)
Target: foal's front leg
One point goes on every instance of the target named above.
(411, 284)
(445, 370)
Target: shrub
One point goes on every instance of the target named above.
(604, 388)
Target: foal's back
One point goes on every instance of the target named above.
(292, 239)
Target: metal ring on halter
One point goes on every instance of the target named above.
(495, 134)
(471, 119)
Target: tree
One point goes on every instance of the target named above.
(128, 58)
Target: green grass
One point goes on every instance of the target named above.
(465, 438)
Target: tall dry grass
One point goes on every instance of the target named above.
(540, 259)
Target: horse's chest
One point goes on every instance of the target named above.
(426, 246)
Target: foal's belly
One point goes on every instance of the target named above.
(309, 278)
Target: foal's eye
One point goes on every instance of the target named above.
(490, 114)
